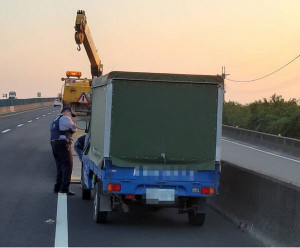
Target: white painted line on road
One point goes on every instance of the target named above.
(5, 131)
(30, 121)
(61, 232)
(44, 115)
(37, 118)
(255, 149)
(49, 113)
(20, 125)
(53, 111)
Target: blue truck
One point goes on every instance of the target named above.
(153, 139)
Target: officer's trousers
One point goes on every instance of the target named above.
(64, 162)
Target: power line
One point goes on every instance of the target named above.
(256, 79)
(285, 84)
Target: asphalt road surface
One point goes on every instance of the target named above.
(28, 206)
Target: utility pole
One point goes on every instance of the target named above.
(224, 73)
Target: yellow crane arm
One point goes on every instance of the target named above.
(83, 35)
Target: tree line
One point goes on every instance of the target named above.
(274, 115)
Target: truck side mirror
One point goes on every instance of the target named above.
(82, 125)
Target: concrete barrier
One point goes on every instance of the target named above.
(8, 109)
(266, 208)
(273, 142)
(19, 108)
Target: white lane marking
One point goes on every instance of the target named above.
(49, 113)
(44, 115)
(2, 116)
(20, 125)
(30, 121)
(53, 111)
(5, 131)
(255, 149)
(61, 232)
(37, 118)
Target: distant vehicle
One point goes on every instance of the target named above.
(76, 93)
(12, 95)
(59, 96)
(57, 103)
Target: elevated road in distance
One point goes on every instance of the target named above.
(281, 167)
(28, 206)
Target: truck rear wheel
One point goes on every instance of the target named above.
(99, 216)
(196, 219)
(85, 194)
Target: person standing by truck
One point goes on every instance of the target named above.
(61, 130)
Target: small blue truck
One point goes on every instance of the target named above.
(153, 139)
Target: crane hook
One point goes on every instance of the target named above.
(78, 48)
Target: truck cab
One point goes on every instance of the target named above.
(76, 93)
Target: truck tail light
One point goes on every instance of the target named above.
(129, 197)
(207, 191)
(114, 187)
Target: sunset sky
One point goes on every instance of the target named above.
(250, 37)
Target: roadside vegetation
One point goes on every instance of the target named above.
(273, 115)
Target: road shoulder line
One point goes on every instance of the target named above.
(294, 160)
(61, 232)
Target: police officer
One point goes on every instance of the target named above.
(61, 130)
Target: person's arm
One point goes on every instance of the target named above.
(66, 124)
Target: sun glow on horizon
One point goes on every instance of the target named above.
(250, 38)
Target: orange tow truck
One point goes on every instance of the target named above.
(77, 90)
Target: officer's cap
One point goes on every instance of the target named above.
(69, 109)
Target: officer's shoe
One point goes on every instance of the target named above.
(67, 192)
(56, 189)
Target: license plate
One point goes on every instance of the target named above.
(160, 196)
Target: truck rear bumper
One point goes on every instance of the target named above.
(173, 183)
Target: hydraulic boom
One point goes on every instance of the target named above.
(83, 35)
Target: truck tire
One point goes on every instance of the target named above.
(99, 216)
(196, 219)
(85, 193)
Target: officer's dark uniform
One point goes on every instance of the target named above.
(63, 156)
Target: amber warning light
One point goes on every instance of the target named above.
(73, 74)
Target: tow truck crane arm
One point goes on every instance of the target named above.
(83, 35)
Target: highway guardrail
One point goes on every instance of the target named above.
(269, 141)
(266, 208)
(15, 102)
(17, 105)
